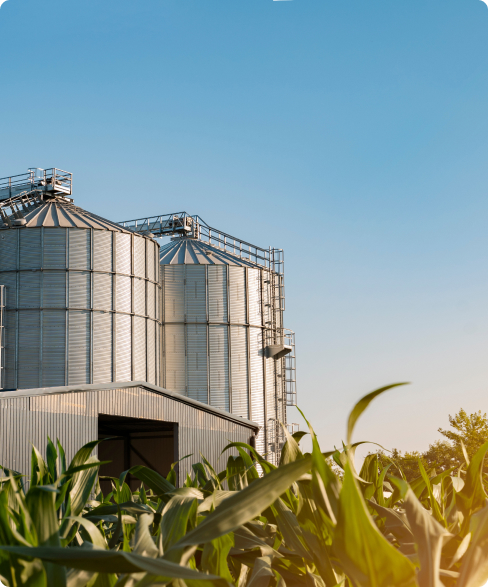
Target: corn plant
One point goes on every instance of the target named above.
(253, 524)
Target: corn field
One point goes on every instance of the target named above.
(314, 521)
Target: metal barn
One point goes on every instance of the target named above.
(152, 426)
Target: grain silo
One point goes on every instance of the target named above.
(223, 339)
(82, 293)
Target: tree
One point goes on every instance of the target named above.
(469, 430)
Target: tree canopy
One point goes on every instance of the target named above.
(468, 434)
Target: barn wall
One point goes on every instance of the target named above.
(72, 417)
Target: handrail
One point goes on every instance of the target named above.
(53, 180)
(184, 224)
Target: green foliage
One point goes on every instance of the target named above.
(469, 434)
(312, 521)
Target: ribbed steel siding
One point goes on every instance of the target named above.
(73, 418)
(123, 346)
(255, 305)
(218, 353)
(197, 368)
(53, 348)
(102, 347)
(257, 382)
(225, 302)
(217, 293)
(195, 299)
(175, 357)
(237, 295)
(240, 371)
(75, 272)
(174, 294)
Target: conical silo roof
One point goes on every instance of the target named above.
(62, 214)
(187, 251)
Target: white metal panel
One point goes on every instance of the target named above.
(139, 256)
(151, 351)
(123, 330)
(174, 356)
(150, 259)
(54, 289)
(139, 348)
(102, 291)
(54, 248)
(123, 293)
(196, 360)
(123, 247)
(239, 371)
(195, 301)
(30, 253)
(9, 279)
(102, 250)
(10, 349)
(257, 380)
(78, 347)
(29, 349)
(79, 248)
(139, 296)
(174, 293)
(8, 249)
(53, 348)
(79, 289)
(218, 350)
(255, 306)
(102, 347)
(237, 295)
(151, 299)
(273, 424)
(217, 293)
(29, 289)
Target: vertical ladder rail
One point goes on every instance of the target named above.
(3, 291)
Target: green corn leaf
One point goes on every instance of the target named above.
(39, 468)
(433, 502)
(396, 523)
(330, 482)
(290, 451)
(41, 504)
(82, 485)
(175, 517)
(156, 482)
(143, 541)
(109, 561)
(262, 572)
(214, 556)
(364, 554)
(362, 404)
(473, 496)
(430, 537)
(52, 458)
(290, 529)
(246, 504)
(474, 568)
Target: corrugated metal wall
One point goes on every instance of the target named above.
(73, 419)
(62, 315)
(214, 339)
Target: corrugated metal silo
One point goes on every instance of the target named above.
(223, 334)
(82, 297)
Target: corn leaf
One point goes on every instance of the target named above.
(365, 555)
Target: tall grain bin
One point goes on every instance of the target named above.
(82, 292)
(222, 313)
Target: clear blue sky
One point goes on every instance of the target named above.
(352, 134)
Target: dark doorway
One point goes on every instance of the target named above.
(135, 441)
